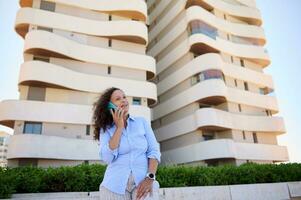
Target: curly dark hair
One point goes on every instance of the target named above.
(102, 118)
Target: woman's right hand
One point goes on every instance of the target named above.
(118, 117)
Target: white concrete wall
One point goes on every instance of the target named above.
(266, 191)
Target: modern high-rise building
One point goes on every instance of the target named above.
(73, 51)
(215, 103)
(208, 97)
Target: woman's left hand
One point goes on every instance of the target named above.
(145, 187)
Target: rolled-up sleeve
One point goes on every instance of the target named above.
(106, 154)
(153, 150)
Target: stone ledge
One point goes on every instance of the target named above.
(264, 191)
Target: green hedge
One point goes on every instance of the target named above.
(88, 177)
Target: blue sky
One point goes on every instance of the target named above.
(282, 24)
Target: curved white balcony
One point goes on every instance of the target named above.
(212, 118)
(199, 13)
(49, 44)
(41, 111)
(51, 74)
(215, 92)
(213, 61)
(249, 3)
(249, 34)
(257, 54)
(201, 43)
(245, 13)
(52, 147)
(136, 9)
(132, 31)
(225, 148)
(250, 15)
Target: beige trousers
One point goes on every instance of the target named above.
(130, 193)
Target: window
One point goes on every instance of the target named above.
(264, 90)
(242, 62)
(110, 43)
(45, 28)
(268, 112)
(255, 137)
(246, 86)
(243, 135)
(195, 79)
(232, 60)
(109, 69)
(208, 135)
(36, 93)
(228, 37)
(225, 16)
(32, 128)
(110, 17)
(41, 58)
(136, 101)
(239, 107)
(88, 130)
(46, 5)
(202, 105)
(86, 162)
(235, 81)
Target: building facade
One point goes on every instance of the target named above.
(73, 51)
(207, 95)
(4, 138)
(215, 103)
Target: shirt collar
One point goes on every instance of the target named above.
(131, 117)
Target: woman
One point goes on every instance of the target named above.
(129, 147)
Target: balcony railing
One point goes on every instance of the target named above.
(198, 26)
(206, 75)
(244, 40)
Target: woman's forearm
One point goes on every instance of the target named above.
(114, 141)
(152, 165)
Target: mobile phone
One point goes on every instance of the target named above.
(111, 106)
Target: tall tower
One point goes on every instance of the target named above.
(215, 103)
(73, 50)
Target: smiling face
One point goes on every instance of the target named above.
(119, 99)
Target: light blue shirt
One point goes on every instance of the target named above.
(137, 144)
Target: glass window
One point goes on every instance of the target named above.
(136, 101)
(88, 130)
(36, 93)
(45, 28)
(242, 62)
(32, 128)
(244, 135)
(40, 58)
(195, 79)
(255, 137)
(46, 5)
(246, 86)
(208, 135)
